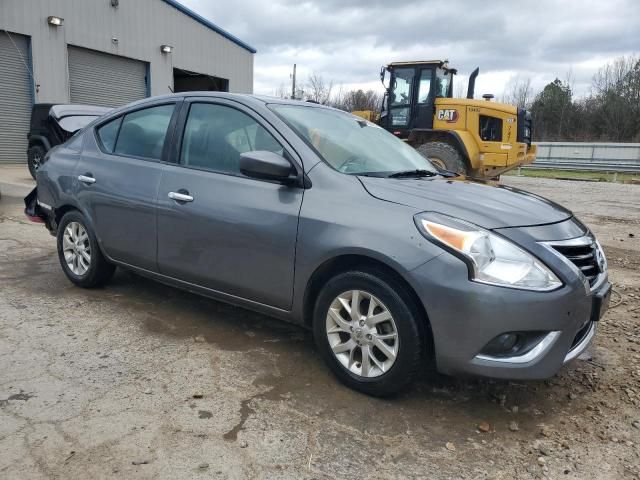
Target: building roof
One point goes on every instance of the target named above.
(200, 19)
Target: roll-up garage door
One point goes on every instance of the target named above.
(15, 97)
(97, 78)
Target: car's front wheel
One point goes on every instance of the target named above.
(79, 253)
(369, 332)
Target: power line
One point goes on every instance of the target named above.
(26, 65)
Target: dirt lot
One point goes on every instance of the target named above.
(139, 380)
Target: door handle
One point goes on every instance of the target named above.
(86, 179)
(180, 197)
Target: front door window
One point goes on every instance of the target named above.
(216, 135)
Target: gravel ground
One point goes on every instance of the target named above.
(139, 380)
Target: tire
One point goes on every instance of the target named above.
(35, 157)
(444, 156)
(410, 344)
(98, 270)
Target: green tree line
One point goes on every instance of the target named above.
(609, 113)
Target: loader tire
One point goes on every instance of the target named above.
(444, 156)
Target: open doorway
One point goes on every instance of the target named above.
(186, 81)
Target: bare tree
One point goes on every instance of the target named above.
(317, 90)
(518, 92)
(461, 90)
(282, 91)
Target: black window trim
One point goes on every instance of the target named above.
(176, 153)
(176, 102)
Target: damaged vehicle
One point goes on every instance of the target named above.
(53, 124)
(318, 217)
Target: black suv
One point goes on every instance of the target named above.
(52, 124)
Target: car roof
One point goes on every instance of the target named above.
(246, 98)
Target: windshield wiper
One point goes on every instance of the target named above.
(413, 173)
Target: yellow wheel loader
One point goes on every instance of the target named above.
(478, 138)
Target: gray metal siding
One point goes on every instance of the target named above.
(140, 26)
(97, 78)
(15, 97)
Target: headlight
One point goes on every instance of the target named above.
(491, 258)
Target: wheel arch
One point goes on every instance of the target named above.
(352, 261)
(60, 212)
(39, 140)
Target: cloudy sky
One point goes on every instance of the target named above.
(347, 41)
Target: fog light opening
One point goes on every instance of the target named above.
(504, 344)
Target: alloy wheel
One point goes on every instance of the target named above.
(362, 333)
(76, 248)
(37, 161)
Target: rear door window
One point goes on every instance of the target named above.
(143, 132)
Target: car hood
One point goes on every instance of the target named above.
(486, 205)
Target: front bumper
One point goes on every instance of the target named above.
(465, 316)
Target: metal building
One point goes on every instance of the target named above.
(108, 53)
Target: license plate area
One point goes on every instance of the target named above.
(600, 304)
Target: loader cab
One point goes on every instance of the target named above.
(411, 92)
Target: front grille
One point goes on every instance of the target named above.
(525, 126)
(584, 256)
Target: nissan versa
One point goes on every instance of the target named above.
(318, 217)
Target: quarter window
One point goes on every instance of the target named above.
(216, 135)
(143, 132)
(108, 133)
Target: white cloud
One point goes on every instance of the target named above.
(348, 40)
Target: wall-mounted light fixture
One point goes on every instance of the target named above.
(166, 48)
(55, 21)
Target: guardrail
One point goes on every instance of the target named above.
(601, 157)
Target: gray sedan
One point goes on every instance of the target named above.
(318, 217)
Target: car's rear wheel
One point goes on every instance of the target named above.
(79, 253)
(369, 332)
(35, 157)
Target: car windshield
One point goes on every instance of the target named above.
(351, 144)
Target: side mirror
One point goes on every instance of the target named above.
(266, 166)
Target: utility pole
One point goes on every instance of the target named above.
(293, 83)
